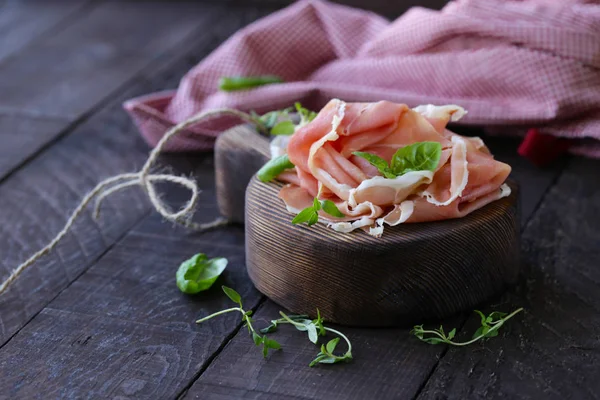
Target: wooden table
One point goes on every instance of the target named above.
(101, 315)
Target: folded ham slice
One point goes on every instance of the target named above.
(466, 178)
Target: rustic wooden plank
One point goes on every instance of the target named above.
(65, 75)
(55, 182)
(123, 328)
(552, 350)
(387, 364)
(21, 136)
(23, 22)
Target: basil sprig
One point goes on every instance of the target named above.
(310, 215)
(199, 273)
(274, 167)
(234, 83)
(420, 156)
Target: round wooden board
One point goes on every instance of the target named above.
(412, 274)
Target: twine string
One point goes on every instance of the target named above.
(146, 179)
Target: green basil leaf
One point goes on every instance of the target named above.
(332, 344)
(199, 273)
(495, 316)
(265, 351)
(432, 340)
(316, 204)
(313, 336)
(304, 215)
(319, 357)
(233, 295)
(376, 161)
(329, 360)
(420, 156)
(233, 83)
(256, 338)
(451, 334)
(313, 219)
(483, 318)
(306, 115)
(330, 208)
(283, 128)
(274, 167)
(271, 344)
(493, 333)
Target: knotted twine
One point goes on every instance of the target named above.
(146, 180)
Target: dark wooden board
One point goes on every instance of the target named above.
(553, 351)
(123, 328)
(23, 22)
(54, 183)
(388, 363)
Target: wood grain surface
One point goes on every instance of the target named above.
(414, 272)
(102, 318)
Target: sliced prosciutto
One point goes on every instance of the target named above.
(465, 179)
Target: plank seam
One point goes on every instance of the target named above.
(213, 356)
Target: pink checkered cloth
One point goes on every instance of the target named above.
(514, 65)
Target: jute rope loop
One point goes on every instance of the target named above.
(146, 180)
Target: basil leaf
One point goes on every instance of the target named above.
(420, 156)
(483, 318)
(273, 168)
(271, 344)
(233, 83)
(331, 345)
(316, 204)
(495, 316)
(313, 336)
(451, 334)
(256, 338)
(232, 294)
(330, 208)
(329, 360)
(283, 128)
(199, 273)
(375, 160)
(313, 219)
(304, 216)
(306, 115)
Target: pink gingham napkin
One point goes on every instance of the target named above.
(514, 65)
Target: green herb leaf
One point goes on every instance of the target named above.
(273, 168)
(316, 204)
(485, 331)
(199, 273)
(330, 208)
(234, 83)
(495, 316)
(313, 336)
(483, 318)
(305, 215)
(257, 338)
(232, 294)
(283, 128)
(313, 219)
(451, 334)
(421, 156)
(306, 115)
(332, 344)
(375, 160)
(329, 360)
(271, 344)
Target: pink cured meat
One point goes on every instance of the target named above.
(466, 178)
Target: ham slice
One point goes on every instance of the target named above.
(466, 178)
